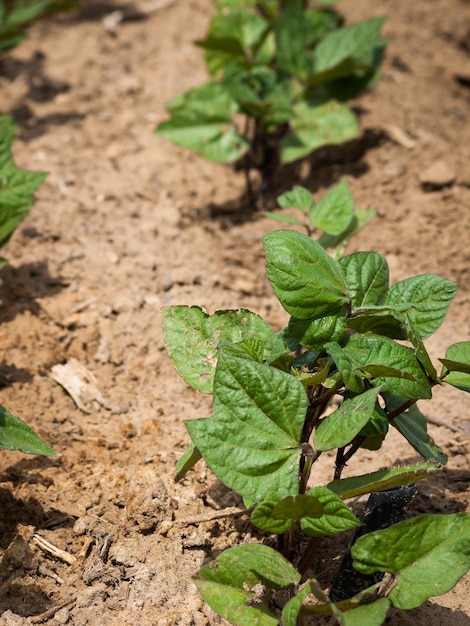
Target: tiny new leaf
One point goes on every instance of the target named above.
(334, 212)
(427, 556)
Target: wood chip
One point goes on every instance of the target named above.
(54, 550)
(80, 384)
(46, 616)
(399, 136)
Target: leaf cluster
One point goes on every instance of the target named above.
(350, 364)
(17, 15)
(280, 74)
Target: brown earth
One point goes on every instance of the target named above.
(120, 229)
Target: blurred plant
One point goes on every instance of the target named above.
(281, 72)
(335, 215)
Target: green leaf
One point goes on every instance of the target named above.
(17, 186)
(298, 198)
(187, 461)
(408, 424)
(306, 280)
(340, 427)
(234, 584)
(316, 125)
(351, 376)
(292, 38)
(427, 556)
(201, 120)
(381, 320)
(352, 49)
(360, 219)
(262, 518)
(336, 516)
(374, 350)
(372, 614)
(367, 277)
(17, 435)
(313, 334)
(456, 363)
(383, 479)
(193, 338)
(251, 442)
(297, 507)
(292, 608)
(280, 217)
(334, 212)
(427, 299)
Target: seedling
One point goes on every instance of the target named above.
(354, 342)
(17, 15)
(334, 216)
(280, 74)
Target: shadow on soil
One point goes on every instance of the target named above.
(322, 169)
(22, 286)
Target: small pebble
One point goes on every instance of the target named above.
(437, 176)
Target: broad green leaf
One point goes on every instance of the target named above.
(313, 334)
(334, 212)
(372, 614)
(383, 371)
(297, 507)
(457, 362)
(427, 298)
(367, 277)
(17, 435)
(352, 49)
(347, 488)
(201, 120)
(298, 197)
(316, 125)
(375, 430)
(16, 186)
(306, 280)
(336, 516)
(251, 442)
(235, 584)
(340, 427)
(193, 338)
(375, 350)
(427, 556)
(187, 461)
(416, 435)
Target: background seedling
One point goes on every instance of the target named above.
(280, 75)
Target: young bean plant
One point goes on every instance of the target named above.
(17, 187)
(280, 75)
(350, 366)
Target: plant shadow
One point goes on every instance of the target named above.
(322, 169)
(22, 286)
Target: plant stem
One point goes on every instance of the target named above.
(309, 555)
